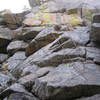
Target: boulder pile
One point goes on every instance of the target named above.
(43, 63)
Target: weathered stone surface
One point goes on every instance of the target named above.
(3, 57)
(96, 18)
(5, 38)
(56, 58)
(95, 32)
(69, 81)
(45, 57)
(29, 61)
(29, 80)
(71, 39)
(6, 79)
(15, 60)
(42, 39)
(15, 46)
(27, 33)
(29, 69)
(92, 53)
(15, 88)
(45, 18)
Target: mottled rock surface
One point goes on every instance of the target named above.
(69, 81)
(15, 60)
(42, 39)
(5, 38)
(15, 46)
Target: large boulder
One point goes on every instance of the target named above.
(95, 28)
(17, 92)
(15, 46)
(95, 32)
(29, 69)
(45, 37)
(13, 21)
(44, 57)
(5, 38)
(62, 56)
(69, 81)
(29, 79)
(27, 33)
(71, 39)
(96, 18)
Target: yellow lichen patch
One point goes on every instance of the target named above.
(75, 20)
(41, 18)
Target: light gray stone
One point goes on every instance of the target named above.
(69, 81)
(15, 60)
(15, 46)
(5, 38)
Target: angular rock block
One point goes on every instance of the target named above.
(45, 37)
(96, 18)
(95, 32)
(69, 81)
(15, 60)
(17, 92)
(5, 38)
(15, 46)
(27, 33)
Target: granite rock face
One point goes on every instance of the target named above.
(95, 28)
(95, 32)
(45, 37)
(15, 46)
(27, 33)
(5, 38)
(56, 62)
(69, 81)
(14, 60)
